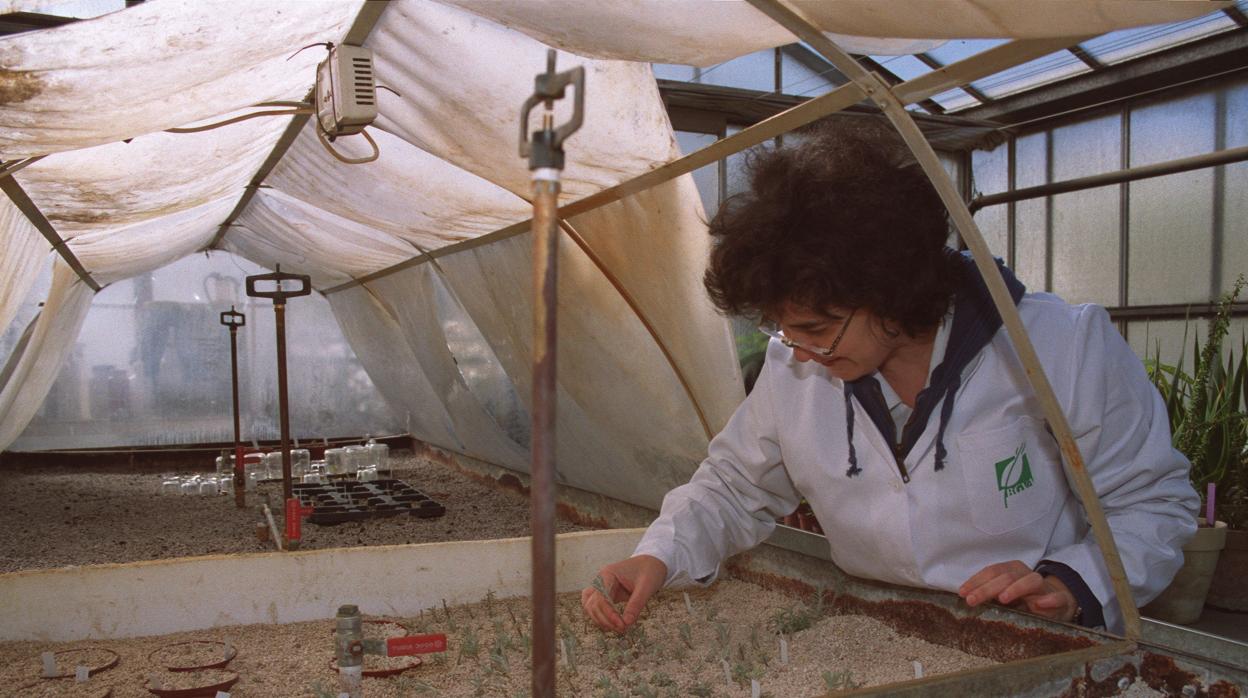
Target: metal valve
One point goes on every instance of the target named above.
(545, 150)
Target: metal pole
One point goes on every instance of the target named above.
(283, 405)
(1196, 162)
(542, 497)
(545, 154)
(240, 484)
(234, 320)
(279, 296)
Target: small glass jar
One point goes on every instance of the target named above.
(273, 465)
(171, 485)
(225, 466)
(190, 485)
(335, 461)
(378, 455)
(208, 487)
(357, 457)
(366, 474)
(300, 459)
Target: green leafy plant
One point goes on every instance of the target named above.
(1208, 412)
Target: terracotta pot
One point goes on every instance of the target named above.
(1228, 592)
(1183, 600)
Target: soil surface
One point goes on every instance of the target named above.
(61, 517)
(728, 642)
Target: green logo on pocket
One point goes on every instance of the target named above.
(1014, 474)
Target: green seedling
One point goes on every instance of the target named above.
(686, 634)
(603, 682)
(723, 634)
(644, 690)
(469, 646)
(499, 662)
(489, 602)
(702, 690)
(711, 611)
(450, 622)
(840, 681)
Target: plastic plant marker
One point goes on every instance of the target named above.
(727, 671)
(755, 690)
(1210, 496)
(784, 651)
(918, 670)
(81, 674)
(156, 684)
(49, 664)
(688, 603)
(563, 652)
(222, 694)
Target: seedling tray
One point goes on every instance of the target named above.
(338, 502)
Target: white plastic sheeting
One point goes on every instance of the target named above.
(155, 66)
(704, 32)
(23, 249)
(33, 366)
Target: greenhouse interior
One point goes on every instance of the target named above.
(348, 346)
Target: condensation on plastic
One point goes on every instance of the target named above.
(479, 367)
(703, 32)
(152, 367)
(30, 371)
(370, 326)
(159, 65)
(625, 425)
(410, 294)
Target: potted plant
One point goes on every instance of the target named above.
(1209, 425)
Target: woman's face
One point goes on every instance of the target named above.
(860, 350)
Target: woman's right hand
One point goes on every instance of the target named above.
(633, 580)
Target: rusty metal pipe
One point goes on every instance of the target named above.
(542, 498)
(283, 404)
(240, 482)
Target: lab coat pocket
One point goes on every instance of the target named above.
(1011, 474)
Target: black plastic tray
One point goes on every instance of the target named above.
(347, 500)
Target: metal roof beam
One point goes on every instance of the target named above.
(1189, 62)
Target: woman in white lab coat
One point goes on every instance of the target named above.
(892, 400)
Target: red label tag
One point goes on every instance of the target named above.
(294, 527)
(415, 644)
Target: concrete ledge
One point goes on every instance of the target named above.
(165, 596)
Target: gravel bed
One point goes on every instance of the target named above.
(671, 653)
(62, 517)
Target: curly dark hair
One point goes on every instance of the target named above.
(839, 216)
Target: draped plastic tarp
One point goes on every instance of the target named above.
(157, 65)
(30, 369)
(24, 248)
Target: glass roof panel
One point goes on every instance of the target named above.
(1045, 69)
(957, 98)
(904, 67)
(1126, 44)
(954, 51)
(81, 9)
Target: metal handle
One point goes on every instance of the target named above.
(279, 294)
(233, 318)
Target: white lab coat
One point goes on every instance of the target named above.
(788, 440)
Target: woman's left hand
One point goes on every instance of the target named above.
(1015, 584)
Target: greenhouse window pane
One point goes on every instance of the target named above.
(904, 67)
(1046, 69)
(1126, 44)
(798, 79)
(1234, 247)
(755, 71)
(954, 51)
(957, 98)
(1171, 217)
(706, 178)
(671, 71)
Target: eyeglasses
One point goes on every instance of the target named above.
(771, 330)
